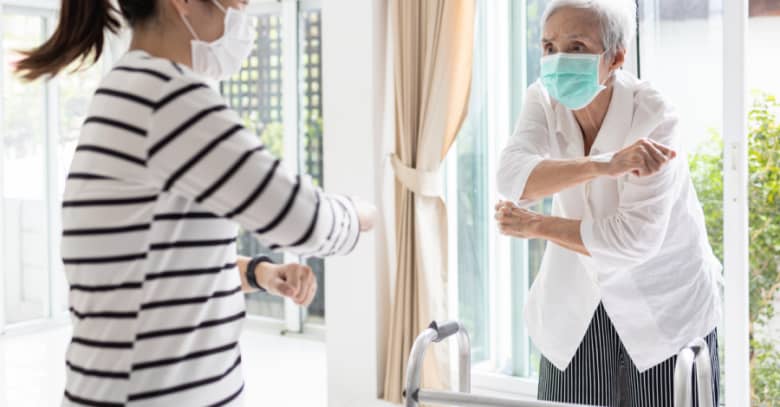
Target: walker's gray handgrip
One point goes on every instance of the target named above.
(444, 329)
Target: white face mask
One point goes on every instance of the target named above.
(221, 59)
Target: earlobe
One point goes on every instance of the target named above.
(620, 59)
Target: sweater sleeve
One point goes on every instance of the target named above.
(198, 148)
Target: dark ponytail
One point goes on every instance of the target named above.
(80, 35)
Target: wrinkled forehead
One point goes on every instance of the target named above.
(572, 23)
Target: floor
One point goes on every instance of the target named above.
(276, 368)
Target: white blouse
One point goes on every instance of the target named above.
(650, 265)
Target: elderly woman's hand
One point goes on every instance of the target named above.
(643, 158)
(516, 222)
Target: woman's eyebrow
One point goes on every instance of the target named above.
(578, 36)
(570, 37)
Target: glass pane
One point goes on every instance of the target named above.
(764, 200)
(534, 10)
(256, 94)
(690, 34)
(310, 129)
(472, 195)
(526, 255)
(25, 252)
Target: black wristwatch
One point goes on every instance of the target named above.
(251, 277)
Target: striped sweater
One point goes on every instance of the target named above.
(163, 176)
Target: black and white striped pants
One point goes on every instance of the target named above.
(601, 373)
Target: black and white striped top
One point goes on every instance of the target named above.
(163, 176)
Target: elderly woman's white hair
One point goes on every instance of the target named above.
(617, 17)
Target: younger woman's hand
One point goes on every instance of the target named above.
(366, 214)
(294, 281)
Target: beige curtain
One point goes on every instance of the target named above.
(433, 44)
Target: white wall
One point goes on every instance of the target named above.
(354, 151)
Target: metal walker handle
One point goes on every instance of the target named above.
(698, 353)
(437, 332)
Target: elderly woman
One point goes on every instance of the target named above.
(630, 278)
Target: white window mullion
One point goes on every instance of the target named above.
(294, 315)
(518, 256)
(51, 197)
(450, 167)
(498, 118)
(2, 176)
(647, 35)
(735, 204)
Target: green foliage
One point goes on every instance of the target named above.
(272, 134)
(765, 373)
(764, 201)
(312, 148)
(273, 137)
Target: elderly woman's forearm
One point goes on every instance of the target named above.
(563, 232)
(553, 176)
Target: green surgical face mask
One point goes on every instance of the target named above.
(572, 79)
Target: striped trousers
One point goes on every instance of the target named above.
(601, 373)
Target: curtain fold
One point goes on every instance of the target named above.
(433, 47)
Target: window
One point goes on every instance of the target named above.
(680, 50)
(24, 204)
(493, 273)
(691, 34)
(255, 94)
(310, 113)
(472, 231)
(278, 93)
(40, 123)
(764, 142)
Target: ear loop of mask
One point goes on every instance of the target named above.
(610, 75)
(189, 26)
(219, 6)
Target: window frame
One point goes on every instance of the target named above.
(288, 10)
(294, 318)
(47, 12)
(735, 204)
